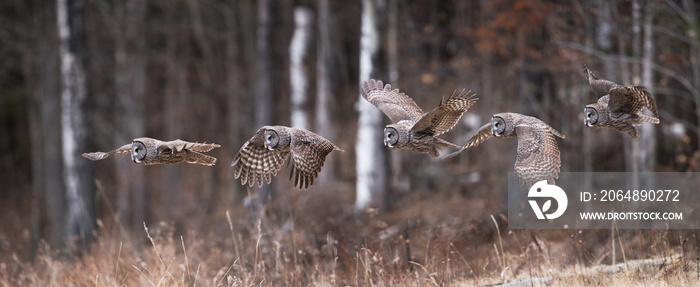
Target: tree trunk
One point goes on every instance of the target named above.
(647, 132)
(263, 82)
(399, 178)
(48, 198)
(80, 192)
(130, 85)
(324, 78)
(371, 162)
(298, 68)
(691, 19)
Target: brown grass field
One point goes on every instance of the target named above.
(314, 239)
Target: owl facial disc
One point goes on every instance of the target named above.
(498, 126)
(271, 139)
(138, 151)
(391, 137)
(590, 116)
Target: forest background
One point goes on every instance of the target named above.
(91, 75)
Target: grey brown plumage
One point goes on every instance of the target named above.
(538, 157)
(412, 128)
(261, 157)
(618, 107)
(150, 151)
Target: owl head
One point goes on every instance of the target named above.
(596, 114)
(397, 135)
(503, 125)
(143, 150)
(277, 138)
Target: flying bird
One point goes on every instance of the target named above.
(618, 107)
(412, 128)
(538, 156)
(149, 151)
(262, 156)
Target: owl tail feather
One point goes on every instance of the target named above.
(439, 144)
(648, 118)
(199, 158)
(454, 154)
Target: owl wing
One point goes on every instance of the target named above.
(632, 100)
(601, 87)
(199, 158)
(538, 156)
(446, 115)
(481, 135)
(125, 149)
(309, 152)
(180, 145)
(253, 161)
(394, 104)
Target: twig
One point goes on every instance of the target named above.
(187, 263)
(500, 243)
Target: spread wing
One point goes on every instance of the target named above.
(538, 156)
(601, 87)
(632, 100)
(180, 145)
(446, 115)
(125, 149)
(199, 158)
(394, 104)
(253, 162)
(309, 152)
(481, 135)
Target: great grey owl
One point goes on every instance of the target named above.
(412, 129)
(149, 151)
(262, 156)
(618, 107)
(538, 156)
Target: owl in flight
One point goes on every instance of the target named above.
(538, 156)
(148, 151)
(412, 129)
(262, 156)
(618, 107)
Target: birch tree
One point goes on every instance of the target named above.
(371, 162)
(324, 82)
(648, 132)
(80, 220)
(298, 52)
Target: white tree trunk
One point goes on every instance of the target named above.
(647, 137)
(299, 80)
(370, 159)
(74, 127)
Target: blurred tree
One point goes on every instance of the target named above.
(78, 173)
(325, 73)
(130, 86)
(371, 162)
(48, 196)
(298, 68)
(264, 105)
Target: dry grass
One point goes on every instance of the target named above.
(426, 242)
